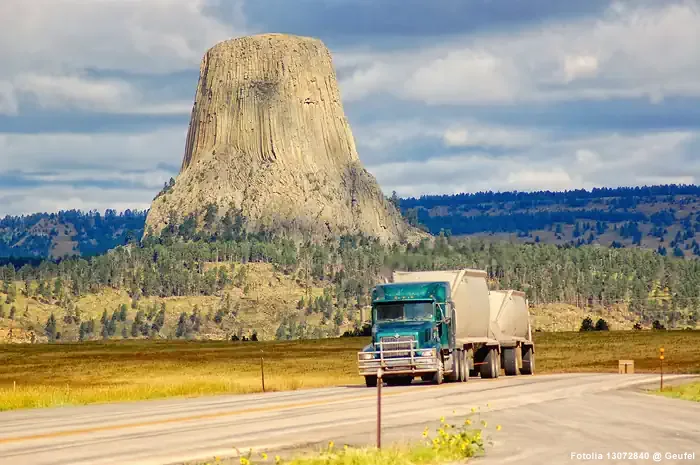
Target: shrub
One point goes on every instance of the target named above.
(587, 324)
(602, 325)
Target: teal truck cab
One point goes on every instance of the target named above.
(440, 325)
(410, 327)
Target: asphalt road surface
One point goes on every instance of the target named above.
(545, 419)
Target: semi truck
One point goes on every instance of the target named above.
(446, 326)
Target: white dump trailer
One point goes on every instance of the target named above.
(477, 329)
(510, 317)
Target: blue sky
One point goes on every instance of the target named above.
(443, 96)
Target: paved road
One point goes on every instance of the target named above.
(544, 418)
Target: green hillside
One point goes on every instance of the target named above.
(662, 218)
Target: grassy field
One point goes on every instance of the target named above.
(688, 391)
(44, 375)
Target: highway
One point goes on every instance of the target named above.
(544, 418)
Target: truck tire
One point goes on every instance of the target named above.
(371, 381)
(497, 358)
(463, 367)
(510, 361)
(454, 376)
(528, 361)
(469, 365)
(438, 377)
(489, 369)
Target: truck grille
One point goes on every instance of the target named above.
(402, 343)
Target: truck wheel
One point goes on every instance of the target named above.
(463, 367)
(497, 360)
(371, 381)
(528, 361)
(469, 364)
(489, 367)
(510, 361)
(439, 375)
(454, 376)
(459, 364)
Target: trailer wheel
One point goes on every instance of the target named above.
(371, 381)
(497, 360)
(489, 369)
(469, 365)
(464, 367)
(528, 361)
(510, 361)
(454, 376)
(438, 377)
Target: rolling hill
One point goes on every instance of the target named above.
(662, 218)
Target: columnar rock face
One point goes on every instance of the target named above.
(268, 136)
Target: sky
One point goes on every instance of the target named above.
(443, 97)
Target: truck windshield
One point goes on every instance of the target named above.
(405, 311)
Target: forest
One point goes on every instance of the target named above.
(663, 218)
(184, 260)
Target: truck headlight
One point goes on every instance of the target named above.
(428, 353)
(365, 356)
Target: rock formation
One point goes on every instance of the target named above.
(268, 136)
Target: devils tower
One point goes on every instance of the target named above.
(268, 136)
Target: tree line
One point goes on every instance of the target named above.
(180, 262)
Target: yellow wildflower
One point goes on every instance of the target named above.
(473, 409)
(483, 422)
(264, 456)
(498, 427)
(442, 419)
(467, 422)
(244, 461)
(278, 459)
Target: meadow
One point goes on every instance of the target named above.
(46, 375)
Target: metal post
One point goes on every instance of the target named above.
(661, 360)
(262, 371)
(380, 372)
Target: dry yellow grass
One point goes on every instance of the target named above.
(50, 375)
(60, 374)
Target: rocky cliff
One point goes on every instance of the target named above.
(268, 135)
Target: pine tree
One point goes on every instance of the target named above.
(50, 328)
(122, 313)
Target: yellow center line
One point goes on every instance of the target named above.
(205, 416)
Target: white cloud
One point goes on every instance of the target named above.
(555, 164)
(86, 171)
(479, 135)
(47, 45)
(53, 198)
(105, 153)
(378, 139)
(97, 95)
(580, 66)
(630, 52)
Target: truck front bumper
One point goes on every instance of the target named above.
(411, 365)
